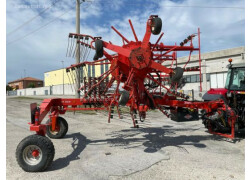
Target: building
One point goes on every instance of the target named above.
(26, 82)
(59, 76)
(213, 68)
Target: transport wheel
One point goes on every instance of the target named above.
(156, 26)
(61, 128)
(95, 57)
(124, 97)
(99, 48)
(177, 74)
(35, 153)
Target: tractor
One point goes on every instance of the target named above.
(234, 97)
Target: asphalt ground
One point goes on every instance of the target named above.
(95, 149)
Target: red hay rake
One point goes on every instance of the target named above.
(137, 66)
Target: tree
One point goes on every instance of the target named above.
(31, 85)
(8, 88)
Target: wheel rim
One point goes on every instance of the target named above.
(32, 155)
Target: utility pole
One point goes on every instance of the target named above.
(77, 95)
(24, 73)
(63, 75)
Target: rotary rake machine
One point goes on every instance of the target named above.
(137, 67)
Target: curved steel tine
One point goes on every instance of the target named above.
(71, 46)
(86, 46)
(67, 48)
(88, 54)
(67, 72)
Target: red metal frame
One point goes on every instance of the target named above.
(133, 62)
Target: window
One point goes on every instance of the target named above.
(236, 79)
(193, 78)
(198, 78)
(93, 71)
(188, 80)
(106, 66)
(208, 77)
(102, 69)
(89, 71)
(81, 74)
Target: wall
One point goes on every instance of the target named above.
(56, 77)
(48, 90)
(33, 91)
(16, 85)
(58, 89)
(26, 83)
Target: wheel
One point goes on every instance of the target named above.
(124, 97)
(61, 128)
(99, 48)
(156, 26)
(177, 74)
(35, 153)
(95, 57)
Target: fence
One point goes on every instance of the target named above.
(67, 89)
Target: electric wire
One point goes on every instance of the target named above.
(32, 32)
(33, 18)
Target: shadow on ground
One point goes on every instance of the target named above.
(151, 139)
(79, 144)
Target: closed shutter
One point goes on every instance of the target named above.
(213, 81)
(220, 80)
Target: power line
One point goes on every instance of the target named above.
(31, 19)
(32, 32)
(176, 6)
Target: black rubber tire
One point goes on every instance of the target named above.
(46, 147)
(95, 57)
(178, 73)
(156, 25)
(99, 48)
(124, 97)
(63, 128)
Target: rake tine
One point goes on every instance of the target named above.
(88, 53)
(77, 73)
(75, 48)
(86, 46)
(81, 50)
(67, 48)
(84, 49)
(69, 80)
(71, 75)
(71, 46)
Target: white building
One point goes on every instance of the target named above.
(214, 68)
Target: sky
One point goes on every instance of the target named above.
(38, 43)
